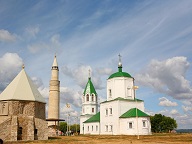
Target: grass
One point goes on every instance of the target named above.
(160, 138)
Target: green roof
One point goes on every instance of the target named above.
(89, 88)
(120, 73)
(132, 113)
(122, 99)
(95, 118)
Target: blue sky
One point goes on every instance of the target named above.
(153, 37)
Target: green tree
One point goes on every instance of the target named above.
(161, 123)
(63, 126)
(75, 127)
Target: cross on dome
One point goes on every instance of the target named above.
(120, 64)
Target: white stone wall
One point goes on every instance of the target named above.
(120, 87)
(138, 128)
(92, 128)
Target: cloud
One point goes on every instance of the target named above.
(6, 36)
(104, 71)
(187, 108)
(165, 102)
(53, 44)
(80, 75)
(174, 112)
(32, 31)
(167, 77)
(10, 64)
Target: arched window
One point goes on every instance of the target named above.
(87, 96)
(92, 97)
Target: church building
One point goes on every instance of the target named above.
(121, 114)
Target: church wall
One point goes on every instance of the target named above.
(124, 106)
(120, 87)
(82, 119)
(128, 126)
(92, 128)
(109, 121)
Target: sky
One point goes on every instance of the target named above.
(154, 38)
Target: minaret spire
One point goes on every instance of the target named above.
(54, 93)
(120, 64)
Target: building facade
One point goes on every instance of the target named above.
(122, 113)
(22, 111)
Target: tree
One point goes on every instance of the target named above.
(161, 123)
(63, 126)
(75, 127)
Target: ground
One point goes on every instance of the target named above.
(109, 139)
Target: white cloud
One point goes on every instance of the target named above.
(55, 39)
(34, 48)
(32, 31)
(10, 64)
(167, 77)
(81, 74)
(165, 102)
(187, 108)
(104, 71)
(174, 112)
(6, 36)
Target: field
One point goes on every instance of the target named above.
(109, 139)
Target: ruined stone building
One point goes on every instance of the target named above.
(22, 111)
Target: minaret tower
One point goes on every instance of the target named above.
(89, 103)
(54, 93)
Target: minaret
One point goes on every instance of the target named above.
(54, 93)
(89, 103)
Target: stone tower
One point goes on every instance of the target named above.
(54, 93)
(89, 103)
(22, 111)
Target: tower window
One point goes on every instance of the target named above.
(110, 111)
(110, 93)
(88, 128)
(35, 131)
(106, 112)
(20, 130)
(92, 97)
(128, 92)
(96, 128)
(87, 96)
(92, 128)
(92, 110)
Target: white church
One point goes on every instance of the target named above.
(121, 114)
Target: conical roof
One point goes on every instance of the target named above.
(55, 62)
(89, 89)
(22, 88)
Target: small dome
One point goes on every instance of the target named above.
(120, 74)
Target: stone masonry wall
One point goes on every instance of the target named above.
(26, 115)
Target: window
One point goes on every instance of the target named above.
(130, 125)
(144, 124)
(128, 92)
(106, 112)
(92, 110)
(92, 97)
(106, 128)
(83, 110)
(87, 97)
(96, 128)
(92, 128)
(111, 128)
(110, 93)
(35, 131)
(88, 128)
(110, 111)
(20, 130)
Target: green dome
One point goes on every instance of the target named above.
(120, 74)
